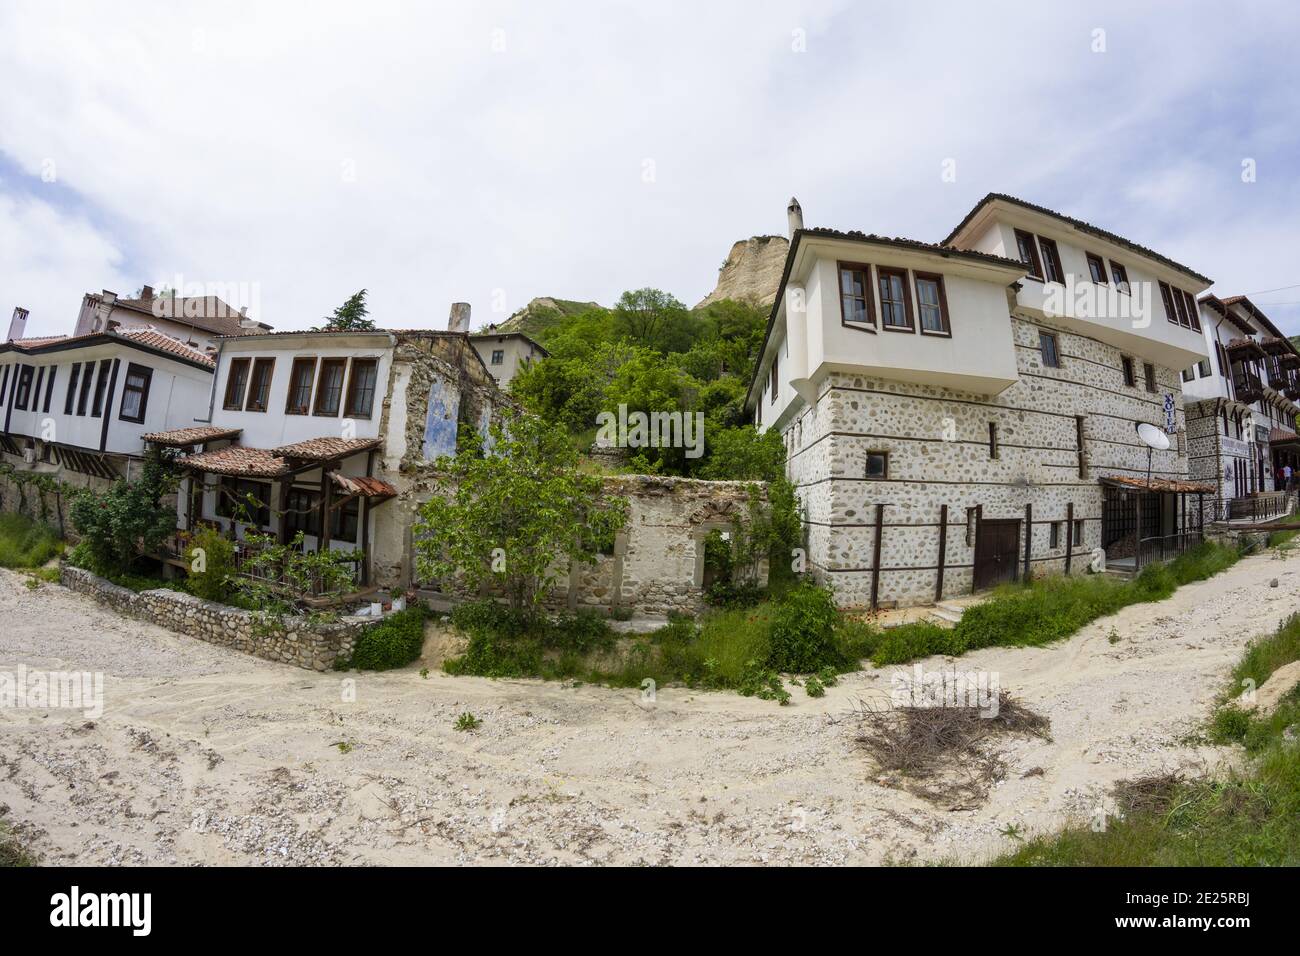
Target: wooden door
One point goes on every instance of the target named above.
(997, 551)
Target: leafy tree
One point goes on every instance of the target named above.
(742, 453)
(654, 320)
(516, 518)
(128, 520)
(351, 316)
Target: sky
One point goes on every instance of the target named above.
(285, 155)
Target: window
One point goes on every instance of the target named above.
(87, 377)
(23, 386)
(878, 465)
(101, 386)
(302, 512)
(36, 389)
(498, 357)
(1052, 271)
(932, 302)
(1167, 297)
(1149, 373)
(72, 388)
(361, 388)
(993, 440)
(4, 384)
(1187, 375)
(1096, 268)
(260, 389)
(1056, 535)
(774, 379)
(49, 387)
(347, 519)
(1078, 445)
(1192, 311)
(135, 393)
(236, 383)
(1180, 304)
(1078, 531)
(1048, 346)
(895, 300)
(855, 297)
(300, 379)
(233, 501)
(1129, 378)
(329, 386)
(1120, 275)
(1028, 252)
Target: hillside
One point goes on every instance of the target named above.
(540, 312)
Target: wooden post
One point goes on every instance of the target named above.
(1029, 536)
(875, 558)
(1137, 531)
(323, 538)
(1069, 535)
(943, 552)
(979, 516)
(363, 503)
(1182, 537)
(282, 506)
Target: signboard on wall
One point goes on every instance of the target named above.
(1171, 417)
(1235, 446)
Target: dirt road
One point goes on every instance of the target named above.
(206, 756)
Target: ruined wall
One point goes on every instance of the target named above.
(939, 453)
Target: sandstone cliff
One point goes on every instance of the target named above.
(752, 271)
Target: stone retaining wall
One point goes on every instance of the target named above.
(314, 648)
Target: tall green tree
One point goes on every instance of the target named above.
(517, 517)
(351, 316)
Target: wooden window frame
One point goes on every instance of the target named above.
(23, 386)
(1035, 262)
(1119, 277)
(320, 379)
(309, 518)
(49, 389)
(232, 402)
(1056, 348)
(97, 409)
(1167, 299)
(868, 294)
(340, 516)
(4, 384)
(87, 380)
(1078, 532)
(892, 272)
(1180, 304)
(133, 369)
(1054, 542)
(1149, 377)
(1192, 310)
(36, 388)
(866, 468)
(773, 379)
(349, 410)
(498, 357)
(995, 450)
(308, 362)
(1051, 258)
(70, 402)
(1100, 264)
(262, 362)
(1128, 370)
(936, 278)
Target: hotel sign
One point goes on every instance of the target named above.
(1235, 446)
(1171, 418)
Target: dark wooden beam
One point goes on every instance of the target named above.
(1069, 535)
(943, 552)
(1029, 538)
(875, 558)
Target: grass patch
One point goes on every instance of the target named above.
(1250, 817)
(12, 851)
(1049, 609)
(395, 641)
(25, 543)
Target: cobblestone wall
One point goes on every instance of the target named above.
(313, 647)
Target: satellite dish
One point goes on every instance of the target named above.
(1152, 436)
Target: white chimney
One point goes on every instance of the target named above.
(794, 216)
(18, 324)
(458, 321)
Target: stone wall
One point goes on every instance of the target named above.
(314, 647)
(939, 453)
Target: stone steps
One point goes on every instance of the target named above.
(945, 614)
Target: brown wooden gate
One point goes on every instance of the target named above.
(997, 550)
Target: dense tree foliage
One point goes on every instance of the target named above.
(352, 315)
(652, 354)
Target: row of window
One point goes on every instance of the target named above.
(248, 386)
(892, 289)
(1051, 352)
(1043, 258)
(87, 389)
(302, 509)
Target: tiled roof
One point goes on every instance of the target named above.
(236, 460)
(210, 313)
(167, 344)
(856, 235)
(324, 449)
(184, 437)
(1077, 224)
(365, 487)
(1280, 436)
(1158, 484)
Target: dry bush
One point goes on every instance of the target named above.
(941, 753)
(1150, 794)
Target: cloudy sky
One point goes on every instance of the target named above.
(294, 153)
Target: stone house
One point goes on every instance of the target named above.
(963, 413)
(505, 353)
(1241, 407)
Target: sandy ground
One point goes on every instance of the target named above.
(206, 756)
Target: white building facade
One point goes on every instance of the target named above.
(505, 353)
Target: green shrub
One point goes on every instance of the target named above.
(802, 638)
(813, 687)
(496, 655)
(907, 642)
(214, 553)
(394, 642)
(1230, 725)
(25, 543)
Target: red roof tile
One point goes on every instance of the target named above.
(183, 437)
(236, 460)
(323, 449)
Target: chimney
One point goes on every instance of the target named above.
(458, 321)
(146, 293)
(794, 216)
(18, 324)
